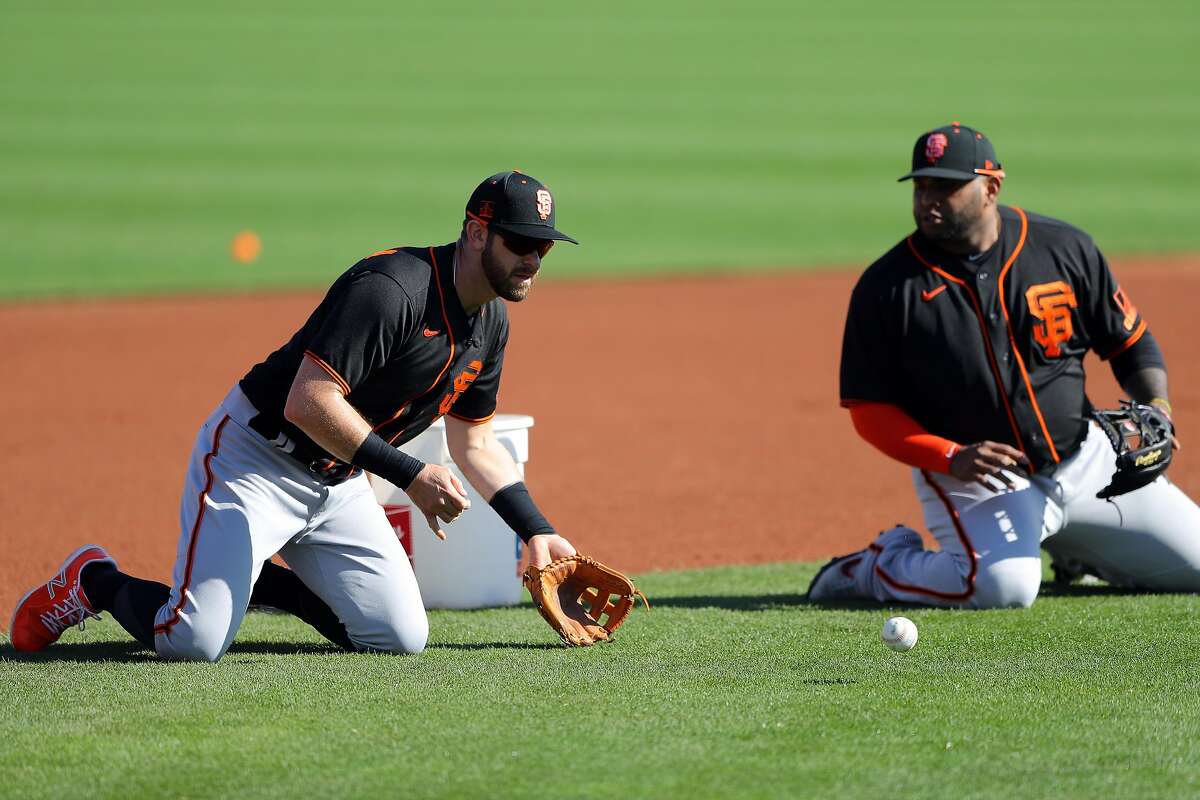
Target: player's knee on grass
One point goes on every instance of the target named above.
(1009, 583)
(194, 648)
(202, 638)
(404, 635)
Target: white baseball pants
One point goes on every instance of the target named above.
(989, 540)
(243, 501)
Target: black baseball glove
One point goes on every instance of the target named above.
(1141, 435)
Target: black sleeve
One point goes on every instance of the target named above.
(868, 351)
(1112, 321)
(478, 402)
(1143, 354)
(370, 316)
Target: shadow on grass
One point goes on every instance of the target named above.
(1052, 589)
(800, 602)
(733, 602)
(133, 652)
(493, 645)
(86, 652)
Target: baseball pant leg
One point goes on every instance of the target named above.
(350, 558)
(988, 554)
(239, 505)
(1148, 539)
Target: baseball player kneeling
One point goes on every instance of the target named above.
(963, 358)
(404, 337)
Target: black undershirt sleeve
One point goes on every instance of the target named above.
(1142, 354)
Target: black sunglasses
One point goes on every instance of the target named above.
(524, 245)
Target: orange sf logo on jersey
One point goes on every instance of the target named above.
(461, 383)
(1052, 303)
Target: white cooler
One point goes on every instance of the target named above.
(476, 567)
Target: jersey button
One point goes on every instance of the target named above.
(994, 317)
(983, 276)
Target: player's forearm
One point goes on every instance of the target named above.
(1146, 385)
(326, 418)
(893, 432)
(487, 465)
(1142, 371)
(495, 475)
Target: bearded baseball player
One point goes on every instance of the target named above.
(404, 337)
(963, 358)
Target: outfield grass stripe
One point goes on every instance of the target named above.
(679, 137)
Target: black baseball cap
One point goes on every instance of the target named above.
(515, 202)
(954, 151)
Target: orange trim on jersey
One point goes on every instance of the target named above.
(393, 417)
(478, 421)
(437, 279)
(963, 539)
(987, 340)
(382, 253)
(1012, 341)
(1130, 342)
(165, 627)
(333, 373)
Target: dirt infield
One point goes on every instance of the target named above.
(679, 423)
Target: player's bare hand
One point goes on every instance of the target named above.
(546, 547)
(987, 463)
(439, 495)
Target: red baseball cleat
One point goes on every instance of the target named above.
(48, 610)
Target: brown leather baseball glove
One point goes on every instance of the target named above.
(575, 595)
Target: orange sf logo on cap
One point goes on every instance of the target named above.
(545, 204)
(935, 146)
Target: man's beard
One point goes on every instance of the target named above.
(955, 227)
(505, 285)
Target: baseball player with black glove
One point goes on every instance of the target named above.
(963, 358)
(404, 337)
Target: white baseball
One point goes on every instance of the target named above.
(899, 633)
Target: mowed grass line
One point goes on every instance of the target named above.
(138, 138)
(732, 687)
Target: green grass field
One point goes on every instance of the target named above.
(732, 686)
(136, 139)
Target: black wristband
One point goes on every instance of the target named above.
(376, 455)
(516, 508)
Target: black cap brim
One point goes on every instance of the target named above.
(533, 231)
(939, 172)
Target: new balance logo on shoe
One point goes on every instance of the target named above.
(59, 581)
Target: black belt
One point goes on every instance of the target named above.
(326, 469)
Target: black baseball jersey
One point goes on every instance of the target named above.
(989, 348)
(394, 336)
